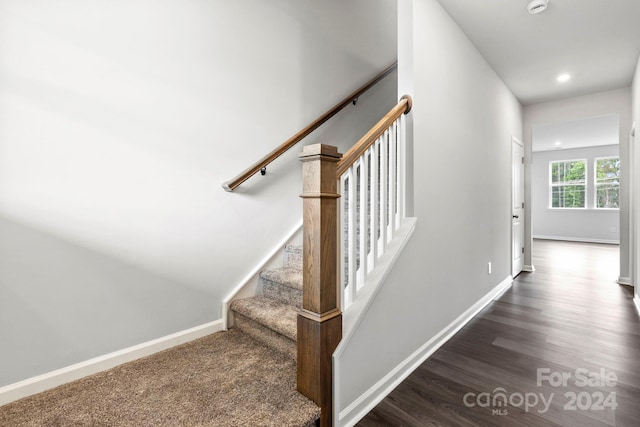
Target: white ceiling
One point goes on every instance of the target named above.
(589, 132)
(596, 41)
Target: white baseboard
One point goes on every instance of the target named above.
(636, 301)
(528, 268)
(624, 281)
(40, 383)
(369, 399)
(578, 239)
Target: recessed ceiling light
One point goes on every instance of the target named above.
(564, 77)
(537, 6)
(558, 143)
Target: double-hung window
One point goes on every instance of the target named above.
(567, 184)
(607, 183)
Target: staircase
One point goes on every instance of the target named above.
(271, 316)
(302, 319)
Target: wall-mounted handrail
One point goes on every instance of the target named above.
(355, 152)
(262, 163)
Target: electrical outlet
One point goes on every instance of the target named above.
(489, 267)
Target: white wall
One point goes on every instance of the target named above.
(590, 225)
(598, 104)
(464, 118)
(118, 123)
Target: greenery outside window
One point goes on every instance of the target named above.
(607, 183)
(567, 184)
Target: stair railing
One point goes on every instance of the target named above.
(261, 165)
(372, 180)
(372, 177)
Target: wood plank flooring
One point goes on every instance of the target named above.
(569, 319)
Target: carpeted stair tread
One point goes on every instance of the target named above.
(224, 379)
(266, 336)
(287, 276)
(275, 315)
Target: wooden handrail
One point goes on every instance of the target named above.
(262, 163)
(354, 153)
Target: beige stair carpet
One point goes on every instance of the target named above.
(224, 379)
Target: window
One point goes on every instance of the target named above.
(607, 183)
(568, 184)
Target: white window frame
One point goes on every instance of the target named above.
(552, 184)
(595, 183)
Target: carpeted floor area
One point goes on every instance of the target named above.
(225, 379)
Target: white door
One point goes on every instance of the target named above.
(517, 207)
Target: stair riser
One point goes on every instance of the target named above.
(293, 257)
(282, 293)
(265, 335)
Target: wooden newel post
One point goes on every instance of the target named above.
(320, 319)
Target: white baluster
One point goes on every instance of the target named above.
(352, 232)
(363, 228)
(374, 211)
(384, 146)
(402, 189)
(342, 238)
(392, 181)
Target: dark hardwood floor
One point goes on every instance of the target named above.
(562, 346)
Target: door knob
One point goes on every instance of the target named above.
(516, 216)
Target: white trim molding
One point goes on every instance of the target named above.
(578, 239)
(529, 268)
(374, 395)
(40, 383)
(636, 302)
